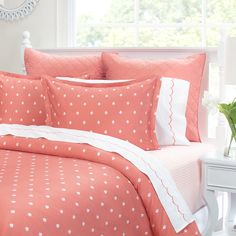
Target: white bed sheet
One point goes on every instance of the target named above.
(184, 165)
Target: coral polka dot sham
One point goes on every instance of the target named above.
(21, 100)
(124, 110)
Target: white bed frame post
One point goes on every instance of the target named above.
(221, 125)
(25, 44)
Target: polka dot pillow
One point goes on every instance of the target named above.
(39, 63)
(125, 110)
(21, 100)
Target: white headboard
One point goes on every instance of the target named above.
(145, 53)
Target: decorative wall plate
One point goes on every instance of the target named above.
(18, 12)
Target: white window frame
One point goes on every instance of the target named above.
(68, 33)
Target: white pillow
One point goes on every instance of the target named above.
(171, 121)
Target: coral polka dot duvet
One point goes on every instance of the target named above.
(72, 162)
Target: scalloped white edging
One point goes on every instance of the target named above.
(18, 13)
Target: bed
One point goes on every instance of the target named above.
(59, 181)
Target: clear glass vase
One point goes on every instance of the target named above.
(230, 147)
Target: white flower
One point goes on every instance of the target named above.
(210, 102)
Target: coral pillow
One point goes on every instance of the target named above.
(21, 101)
(125, 111)
(38, 63)
(190, 69)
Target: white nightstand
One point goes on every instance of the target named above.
(218, 174)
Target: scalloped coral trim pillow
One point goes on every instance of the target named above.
(125, 111)
(39, 63)
(171, 120)
(190, 69)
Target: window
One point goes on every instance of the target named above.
(151, 23)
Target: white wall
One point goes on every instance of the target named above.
(42, 24)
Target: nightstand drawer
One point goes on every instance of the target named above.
(221, 177)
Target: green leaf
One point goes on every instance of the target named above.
(229, 110)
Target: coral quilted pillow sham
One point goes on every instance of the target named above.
(190, 69)
(21, 101)
(125, 111)
(39, 63)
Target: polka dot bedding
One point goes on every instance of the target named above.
(57, 188)
(21, 100)
(124, 110)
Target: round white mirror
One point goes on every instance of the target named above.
(11, 10)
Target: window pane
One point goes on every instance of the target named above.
(104, 11)
(169, 37)
(153, 23)
(166, 11)
(221, 11)
(232, 31)
(105, 37)
(213, 36)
